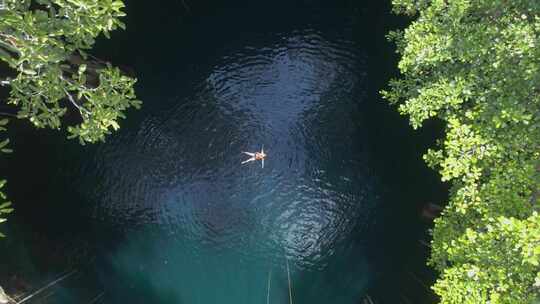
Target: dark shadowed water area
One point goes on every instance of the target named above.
(164, 212)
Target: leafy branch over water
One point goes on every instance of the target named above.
(476, 66)
(5, 206)
(44, 42)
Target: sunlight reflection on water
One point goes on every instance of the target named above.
(180, 171)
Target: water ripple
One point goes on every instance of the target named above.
(180, 170)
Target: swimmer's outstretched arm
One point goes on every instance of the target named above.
(249, 153)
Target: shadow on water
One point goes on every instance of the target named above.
(164, 213)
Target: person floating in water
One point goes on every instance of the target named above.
(255, 156)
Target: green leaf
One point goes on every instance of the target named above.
(29, 72)
(82, 68)
(4, 143)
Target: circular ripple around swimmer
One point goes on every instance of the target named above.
(180, 170)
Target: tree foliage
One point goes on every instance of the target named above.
(45, 43)
(42, 40)
(475, 64)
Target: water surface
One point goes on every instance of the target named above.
(165, 213)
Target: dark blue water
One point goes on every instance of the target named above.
(165, 213)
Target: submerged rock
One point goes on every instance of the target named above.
(3, 297)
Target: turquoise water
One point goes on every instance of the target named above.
(165, 213)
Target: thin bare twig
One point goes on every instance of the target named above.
(289, 279)
(47, 286)
(419, 281)
(97, 298)
(80, 108)
(185, 6)
(368, 299)
(8, 114)
(268, 291)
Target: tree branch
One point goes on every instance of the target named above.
(8, 114)
(9, 43)
(79, 107)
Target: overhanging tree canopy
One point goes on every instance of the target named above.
(476, 65)
(44, 42)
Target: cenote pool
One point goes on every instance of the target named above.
(164, 212)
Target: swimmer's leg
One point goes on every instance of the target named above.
(249, 160)
(249, 153)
